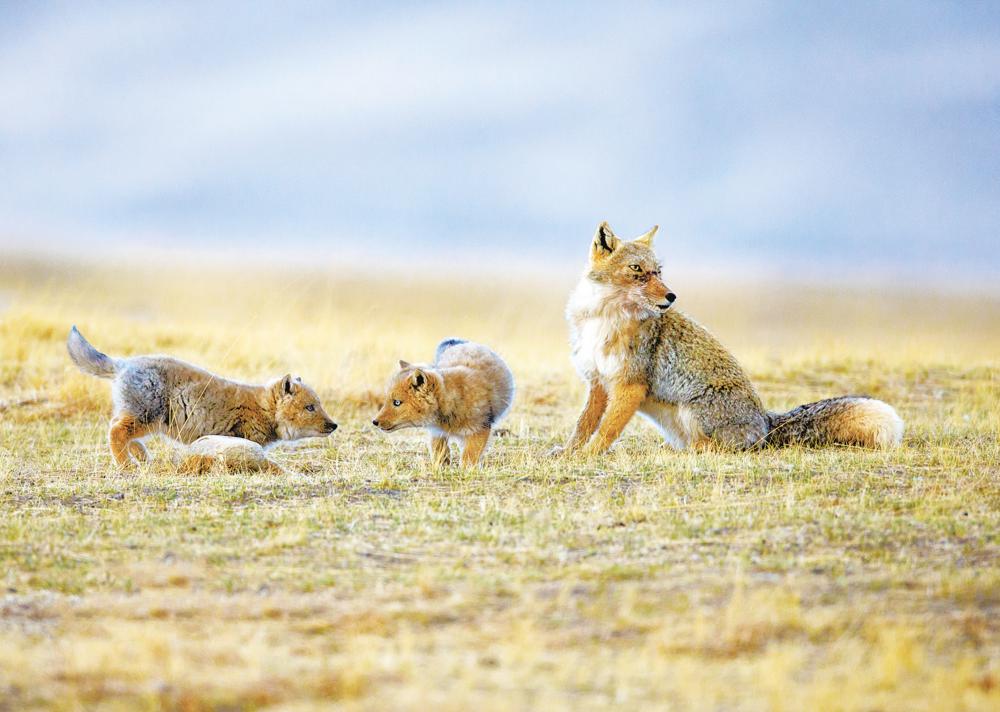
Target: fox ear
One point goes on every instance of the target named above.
(647, 238)
(288, 386)
(404, 364)
(604, 242)
(418, 379)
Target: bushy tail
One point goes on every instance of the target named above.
(445, 345)
(848, 420)
(87, 358)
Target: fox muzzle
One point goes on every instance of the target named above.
(671, 298)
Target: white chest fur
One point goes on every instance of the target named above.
(590, 353)
(592, 329)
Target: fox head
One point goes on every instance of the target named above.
(411, 399)
(627, 273)
(298, 412)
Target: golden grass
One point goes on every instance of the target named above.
(835, 579)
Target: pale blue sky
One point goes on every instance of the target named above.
(828, 134)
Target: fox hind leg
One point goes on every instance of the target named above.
(742, 435)
(122, 435)
(474, 446)
(138, 451)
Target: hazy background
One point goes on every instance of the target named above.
(828, 138)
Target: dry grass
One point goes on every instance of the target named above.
(835, 579)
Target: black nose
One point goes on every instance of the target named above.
(330, 426)
(671, 297)
(375, 423)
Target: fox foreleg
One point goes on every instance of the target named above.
(440, 452)
(590, 418)
(623, 402)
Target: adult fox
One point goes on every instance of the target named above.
(639, 355)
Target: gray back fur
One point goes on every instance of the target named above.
(444, 346)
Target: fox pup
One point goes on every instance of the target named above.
(160, 394)
(226, 454)
(639, 355)
(461, 397)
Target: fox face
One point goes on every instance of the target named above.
(298, 412)
(410, 401)
(628, 274)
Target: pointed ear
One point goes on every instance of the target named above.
(404, 364)
(287, 385)
(418, 379)
(604, 242)
(647, 238)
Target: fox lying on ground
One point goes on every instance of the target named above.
(639, 355)
(161, 394)
(462, 396)
(222, 453)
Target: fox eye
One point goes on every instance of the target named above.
(635, 268)
(397, 403)
(310, 407)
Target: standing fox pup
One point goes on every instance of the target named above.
(462, 396)
(160, 394)
(638, 355)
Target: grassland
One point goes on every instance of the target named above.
(834, 579)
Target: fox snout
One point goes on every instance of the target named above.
(671, 298)
(387, 421)
(660, 294)
(329, 426)
(384, 418)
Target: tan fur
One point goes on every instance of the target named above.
(474, 446)
(869, 423)
(590, 418)
(123, 436)
(440, 451)
(460, 397)
(161, 394)
(640, 356)
(623, 402)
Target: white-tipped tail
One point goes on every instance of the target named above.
(847, 420)
(881, 421)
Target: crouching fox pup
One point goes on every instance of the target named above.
(639, 355)
(161, 394)
(461, 396)
(226, 454)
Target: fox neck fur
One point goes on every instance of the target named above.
(604, 327)
(260, 423)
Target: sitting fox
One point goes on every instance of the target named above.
(639, 355)
(461, 397)
(160, 394)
